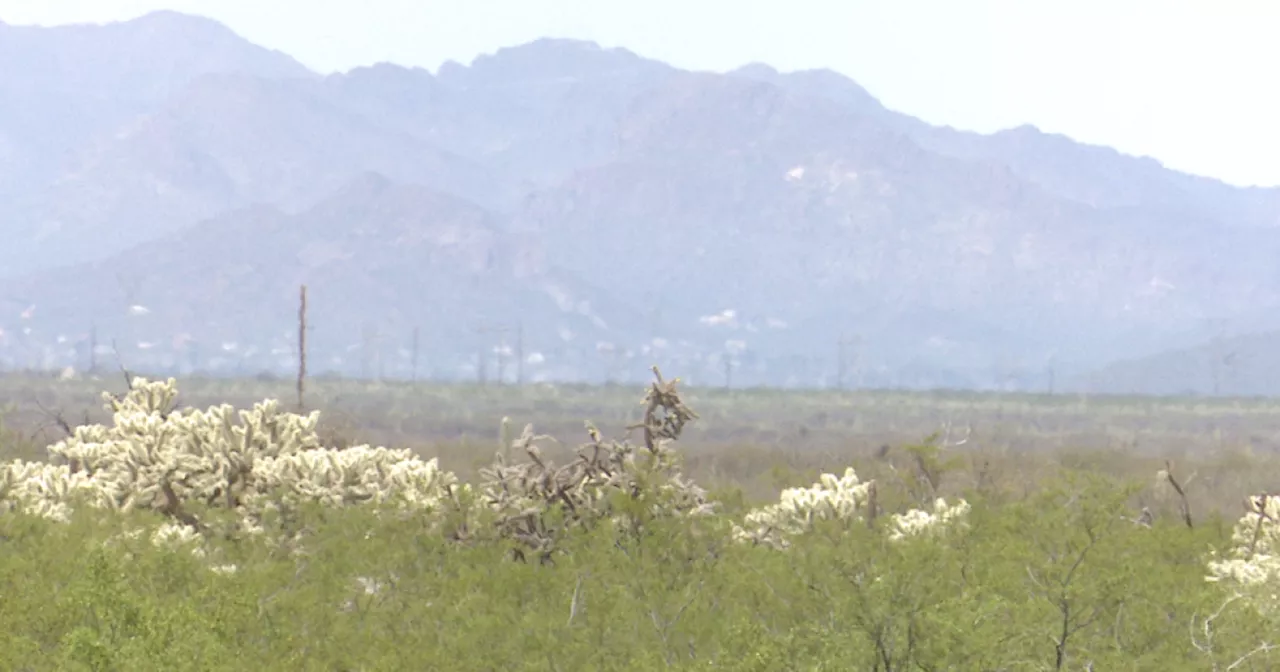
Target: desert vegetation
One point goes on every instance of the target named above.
(202, 525)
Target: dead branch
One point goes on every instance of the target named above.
(1183, 504)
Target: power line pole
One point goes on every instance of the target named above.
(843, 345)
(501, 331)
(93, 349)
(302, 345)
(371, 352)
(366, 351)
(612, 356)
(1219, 357)
(519, 353)
(413, 357)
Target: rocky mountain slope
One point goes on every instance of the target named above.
(753, 215)
(64, 86)
(379, 260)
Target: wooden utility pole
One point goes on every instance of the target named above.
(302, 346)
(93, 349)
(612, 357)
(371, 355)
(501, 331)
(1216, 362)
(519, 353)
(843, 346)
(413, 356)
(1051, 372)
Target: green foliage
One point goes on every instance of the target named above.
(639, 569)
(14, 443)
(930, 465)
(383, 592)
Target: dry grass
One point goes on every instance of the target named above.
(761, 441)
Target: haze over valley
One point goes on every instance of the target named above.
(166, 186)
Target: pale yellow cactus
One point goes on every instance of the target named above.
(831, 498)
(45, 489)
(844, 498)
(919, 521)
(154, 456)
(1251, 567)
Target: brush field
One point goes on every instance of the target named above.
(1048, 571)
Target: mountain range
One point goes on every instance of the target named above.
(166, 186)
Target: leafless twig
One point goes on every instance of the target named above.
(1183, 504)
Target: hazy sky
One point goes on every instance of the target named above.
(1193, 83)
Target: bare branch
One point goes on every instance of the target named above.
(1184, 505)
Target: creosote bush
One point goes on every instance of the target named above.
(368, 558)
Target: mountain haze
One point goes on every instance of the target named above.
(201, 153)
(619, 210)
(374, 253)
(66, 85)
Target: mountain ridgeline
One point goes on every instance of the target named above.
(167, 186)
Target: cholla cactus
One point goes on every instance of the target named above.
(918, 521)
(1252, 566)
(156, 457)
(831, 498)
(844, 498)
(159, 458)
(44, 489)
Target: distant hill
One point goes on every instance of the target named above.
(373, 255)
(75, 83)
(800, 208)
(753, 215)
(1090, 174)
(205, 151)
(1230, 366)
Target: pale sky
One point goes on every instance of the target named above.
(1193, 83)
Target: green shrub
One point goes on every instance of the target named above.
(373, 560)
